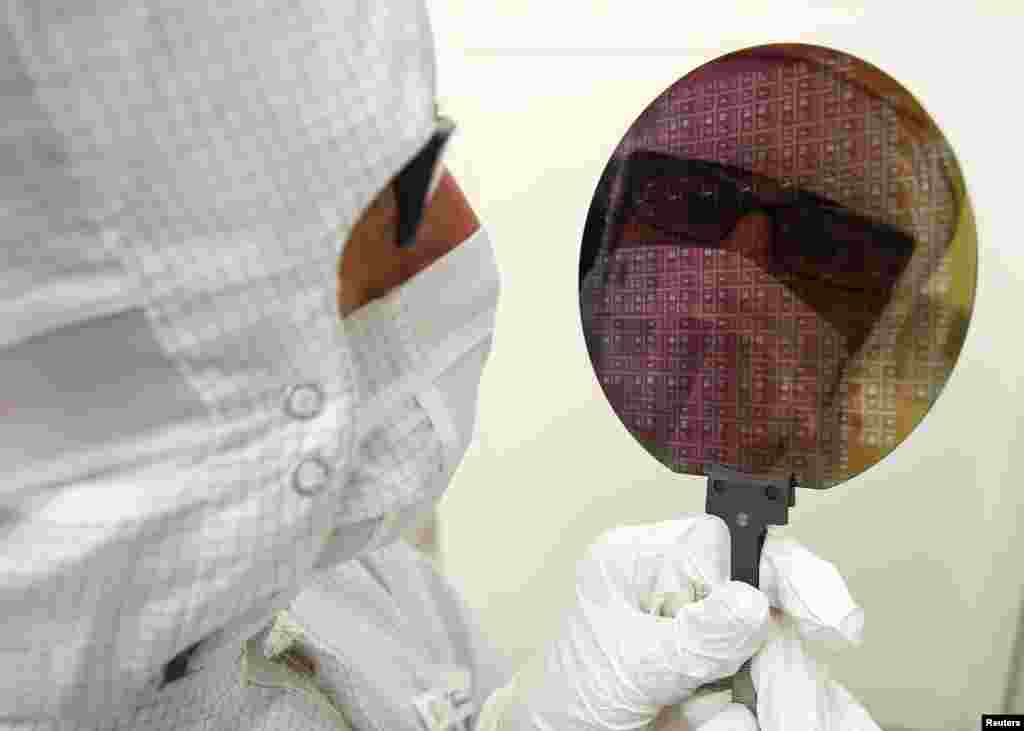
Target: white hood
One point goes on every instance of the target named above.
(177, 182)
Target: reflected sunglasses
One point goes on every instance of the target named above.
(415, 183)
(812, 237)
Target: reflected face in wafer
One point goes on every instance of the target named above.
(750, 254)
(737, 367)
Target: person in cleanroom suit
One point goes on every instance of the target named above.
(228, 391)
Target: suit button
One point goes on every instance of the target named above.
(310, 476)
(305, 401)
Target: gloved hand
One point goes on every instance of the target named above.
(615, 665)
(810, 603)
(641, 640)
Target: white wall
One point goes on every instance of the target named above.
(930, 539)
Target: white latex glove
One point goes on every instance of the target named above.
(810, 603)
(615, 666)
(793, 690)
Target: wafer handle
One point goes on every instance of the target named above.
(748, 505)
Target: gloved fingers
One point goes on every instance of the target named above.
(734, 717)
(788, 682)
(717, 635)
(725, 716)
(692, 713)
(795, 691)
(812, 592)
(643, 663)
(629, 563)
(668, 604)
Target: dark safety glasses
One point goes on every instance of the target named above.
(812, 236)
(415, 183)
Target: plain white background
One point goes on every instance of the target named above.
(930, 539)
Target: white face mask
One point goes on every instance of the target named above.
(420, 351)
